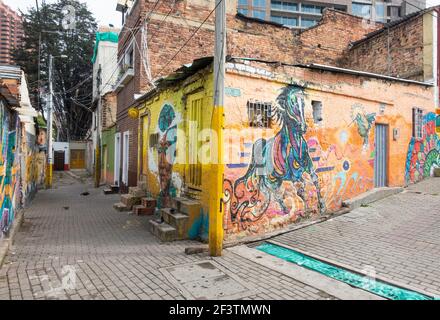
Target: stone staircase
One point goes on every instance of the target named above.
(130, 200)
(174, 223)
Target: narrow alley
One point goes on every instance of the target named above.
(111, 255)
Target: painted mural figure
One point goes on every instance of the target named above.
(167, 153)
(364, 123)
(283, 158)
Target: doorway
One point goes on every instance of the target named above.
(78, 159)
(117, 159)
(104, 163)
(125, 157)
(381, 156)
(194, 115)
(59, 160)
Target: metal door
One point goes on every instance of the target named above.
(77, 159)
(381, 156)
(59, 159)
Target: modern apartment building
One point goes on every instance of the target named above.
(11, 32)
(306, 13)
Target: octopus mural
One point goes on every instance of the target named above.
(423, 155)
(283, 158)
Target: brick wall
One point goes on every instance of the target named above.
(395, 52)
(170, 26)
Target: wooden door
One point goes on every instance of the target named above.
(77, 159)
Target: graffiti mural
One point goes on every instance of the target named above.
(423, 155)
(167, 154)
(283, 158)
(8, 169)
(364, 122)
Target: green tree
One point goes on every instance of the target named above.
(68, 28)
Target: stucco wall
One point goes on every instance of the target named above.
(332, 161)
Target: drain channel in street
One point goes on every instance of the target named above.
(356, 280)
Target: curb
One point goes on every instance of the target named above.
(6, 243)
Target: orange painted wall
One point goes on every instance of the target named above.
(341, 147)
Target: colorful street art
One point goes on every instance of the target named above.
(423, 155)
(8, 170)
(167, 154)
(284, 158)
(364, 122)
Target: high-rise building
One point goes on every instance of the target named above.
(11, 32)
(306, 13)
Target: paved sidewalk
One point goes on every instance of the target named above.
(399, 237)
(111, 255)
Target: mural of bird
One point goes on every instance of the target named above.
(364, 123)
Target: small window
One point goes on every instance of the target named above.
(317, 111)
(417, 123)
(154, 140)
(259, 114)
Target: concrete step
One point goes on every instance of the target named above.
(149, 202)
(142, 185)
(187, 206)
(130, 200)
(370, 197)
(136, 192)
(140, 210)
(163, 231)
(121, 207)
(177, 220)
(115, 188)
(108, 191)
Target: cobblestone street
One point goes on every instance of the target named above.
(113, 254)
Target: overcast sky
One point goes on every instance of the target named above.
(104, 10)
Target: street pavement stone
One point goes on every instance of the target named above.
(110, 255)
(399, 237)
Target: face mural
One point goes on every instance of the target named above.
(166, 154)
(277, 165)
(423, 155)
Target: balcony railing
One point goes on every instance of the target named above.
(126, 73)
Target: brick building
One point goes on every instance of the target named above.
(11, 32)
(150, 50)
(302, 14)
(407, 48)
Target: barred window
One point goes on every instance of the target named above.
(154, 140)
(259, 114)
(417, 123)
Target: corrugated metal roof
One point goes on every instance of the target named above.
(180, 74)
(10, 72)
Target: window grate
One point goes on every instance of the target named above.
(259, 114)
(418, 123)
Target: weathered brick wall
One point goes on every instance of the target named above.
(395, 52)
(324, 43)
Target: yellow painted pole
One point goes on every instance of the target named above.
(216, 189)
